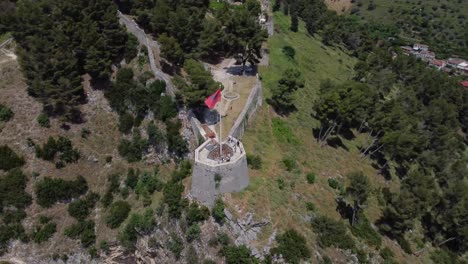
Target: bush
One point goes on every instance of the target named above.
(335, 184)
(289, 164)
(44, 233)
(81, 209)
(143, 223)
(292, 246)
(254, 161)
(133, 150)
(332, 233)
(441, 256)
(387, 255)
(43, 120)
(62, 147)
(176, 245)
(84, 230)
(175, 142)
(49, 191)
(289, 51)
(173, 198)
(9, 159)
(132, 178)
(310, 206)
(237, 254)
(193, 233)
(310, 178)
(281, 183)
(85, 133)
(5, 113)
(196, 213)
(12, 192)
(126, 122)
(364, 230)
(118, 212)
(218, 211)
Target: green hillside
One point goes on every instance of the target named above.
(440, 24)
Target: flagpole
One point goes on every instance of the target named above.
(220, 129)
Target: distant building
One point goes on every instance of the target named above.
(463, 67)
(439, 64)
(407, 50)
(425, 55)
(453, 62)
(420, 47)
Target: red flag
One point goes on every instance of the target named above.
(213, 99)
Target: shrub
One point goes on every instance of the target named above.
(43, 120)
(289, 51)
(332, 233)
(281, 183)
(175, 245)
(310, 177)
(173, 198)
(237, 254)
(84, 230)
(132, 178)
(85, 133)
(217, 179)
(310, 206)
(62, 147)
(224, 239)
(175, 142)
(441, 256)
(254, 161)
(108, 159)
(118, 212)
(335, 184)
(12, 192)
(193, 233)
(44, 233)
(289, 164)
(292, 246)
(364, 230)
(8, 232)
(5, 113)
(126, 122)
(49, 191)
(197, 213)
(218, 211)
(144, 223)
(133, 150)
(9, 159)
(81, 209)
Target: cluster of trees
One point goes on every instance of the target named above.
(48, 191)
(186, 31)
(60, 41)
(416, 118)
(61, 149)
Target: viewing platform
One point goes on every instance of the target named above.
(208, 152)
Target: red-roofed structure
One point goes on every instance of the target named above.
(464, 84)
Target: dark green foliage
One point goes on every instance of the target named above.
(43, 120)
(175, 245)
(13, 216)
(281, 183)
(176, 143)
(173, 198)
(192, 256)
(289, 51)
(126, 122)
(335, 184)
(133, 150)
(388, 255)
(9, 159)
(237, 255)
(155, 136)
(254, 161)
(171, 50)
(137, 224)
(80, 209)
(283, 94)
(196, 213)
(131, 48)
(132, 178)
(83, 230)
(147, 184)
(292, 246)
(61, 149)
(8, 232)
(44, 232)
(57, 45)
(184, 170)
(332, 233)
(294, 22)
(217, 179)
(289, 164)
(357, 193)
(440, 256)
(5, 113)
(363, 229)
(49, 191)
(310, 206)
(193, 233)
(310, 177)
(201, 84)
(85, 133)
(12, 192)
(218, 211)
(118, 212)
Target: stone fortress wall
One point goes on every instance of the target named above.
(234, 174)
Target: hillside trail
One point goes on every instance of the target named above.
(153, 50)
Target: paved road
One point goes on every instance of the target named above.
(150, 44)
